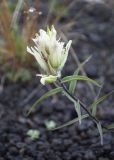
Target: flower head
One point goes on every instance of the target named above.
(50, 53)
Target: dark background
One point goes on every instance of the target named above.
(90, 24)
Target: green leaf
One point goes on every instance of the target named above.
(76, 104)
(73, 84)
(111, 126)
(93, 106)
(50, 124)
(78, 77)
(78, 110)
(69, 97)
(33, 134)
(45, 96)
(71, 122)
(100, 132)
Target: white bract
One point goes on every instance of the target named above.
(50, 53)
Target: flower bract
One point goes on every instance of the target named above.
(50, 53)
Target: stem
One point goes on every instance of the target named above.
(76, 99)
(81, 103)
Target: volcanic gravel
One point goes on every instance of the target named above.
(95, 29)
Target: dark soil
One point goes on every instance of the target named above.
(95, 36)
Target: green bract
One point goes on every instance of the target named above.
(48, 79)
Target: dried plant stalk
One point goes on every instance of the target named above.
(6, 33)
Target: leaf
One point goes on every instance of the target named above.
(93, 106)
(110, 127)
(69, 97)
(76, 104)
(50, 124)
(100, 132)
(71, 122)
(78, 77)
(33, 134)
(78, 110)
(72, 84)
(45, 96)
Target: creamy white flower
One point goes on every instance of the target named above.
(50, 53)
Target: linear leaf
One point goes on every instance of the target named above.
(45, 96)
(76, 105)
(71, 122)
(78, 77)
(100, 132)
(78, 110)
(111, 126)
(69, 97)
(93, 106)
(72, 84)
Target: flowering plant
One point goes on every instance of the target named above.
(51, 55)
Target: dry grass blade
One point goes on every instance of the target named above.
(75, 58)
(16, 13)
(5, 21)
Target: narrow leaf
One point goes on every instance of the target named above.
(110, 127)
(100, 132)
(45, 96)
(69, 97)
(72, 84)
(94, 105)
(71, 122)
(78, 77)
(76, 104)
(78, 110)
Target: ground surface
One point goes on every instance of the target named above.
(77, 142)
